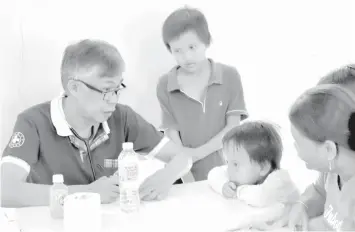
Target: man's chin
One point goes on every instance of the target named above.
(106, 116)
(101, 118)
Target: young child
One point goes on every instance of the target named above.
(200, 99)
(253, 152)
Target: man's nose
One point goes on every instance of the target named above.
(113, 98)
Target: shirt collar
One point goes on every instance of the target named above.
(215, 78)
(58, 118)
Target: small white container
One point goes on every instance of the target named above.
(82, 212)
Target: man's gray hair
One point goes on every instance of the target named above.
(88, 56)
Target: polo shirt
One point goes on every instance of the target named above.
(43, 144)
(196, 121)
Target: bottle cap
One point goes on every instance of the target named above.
(58, 178)
(127, 146)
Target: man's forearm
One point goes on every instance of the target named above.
(28, 194)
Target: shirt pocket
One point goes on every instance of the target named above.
(107, 165)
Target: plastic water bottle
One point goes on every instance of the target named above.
(58, 192)
(128, 165)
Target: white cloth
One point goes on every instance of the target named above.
(278, 188)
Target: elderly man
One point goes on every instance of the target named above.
(80, 132)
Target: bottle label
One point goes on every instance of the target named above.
(128, 172)
(59, 197)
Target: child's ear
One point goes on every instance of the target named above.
(265, 168)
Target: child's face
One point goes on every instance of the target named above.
(189, 51)
(309, 151)
(241, 169)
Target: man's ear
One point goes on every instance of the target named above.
(72, 87)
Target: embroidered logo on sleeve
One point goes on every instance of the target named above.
(17, 140)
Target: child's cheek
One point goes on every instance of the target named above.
(232, 174)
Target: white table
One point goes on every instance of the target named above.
(189, 207)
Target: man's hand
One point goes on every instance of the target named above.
(229, 190)
(108, 188)
(157, 186)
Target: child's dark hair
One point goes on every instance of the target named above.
(344, 75)
(260, 139)
(183, 20)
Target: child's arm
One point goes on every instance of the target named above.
(314, 197)
(174, 135)
(277, 188)
(215, 143)
(217, 177)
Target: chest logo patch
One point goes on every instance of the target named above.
(220, 103)
(17, 140)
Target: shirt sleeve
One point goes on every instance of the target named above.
(237, 104)
(277, 188)
(167, 117)
(314, 196)
(217, 177)
(23, 147)
(144, 135)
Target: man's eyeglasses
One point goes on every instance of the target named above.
(106, 95)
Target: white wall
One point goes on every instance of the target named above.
(10, 68)
(279, 47)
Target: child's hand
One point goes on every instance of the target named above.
(229, 190)
(298, 218)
